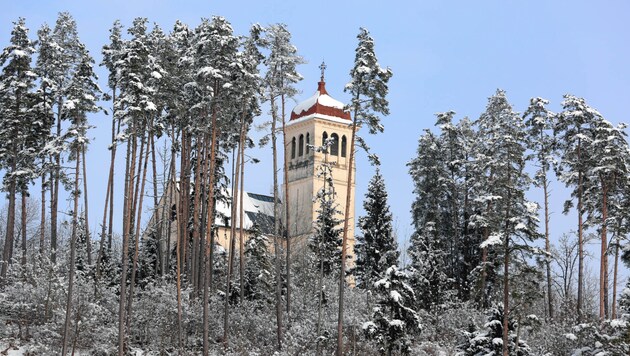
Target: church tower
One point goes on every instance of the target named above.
(312, 121)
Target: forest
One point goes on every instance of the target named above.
(479, 275)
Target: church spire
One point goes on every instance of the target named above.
(321, 86)
(322, 67)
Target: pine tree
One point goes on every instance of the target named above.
(368, 90)
(280, 81)
(572, 130)
(393, 320)
(376, 249)
(111, 55)
(514, 222)
(82, 94)
(43, 109)
(608, 173)
(20, 133)
(63, 60)
(539, 122)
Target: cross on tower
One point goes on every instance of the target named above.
(323, 69)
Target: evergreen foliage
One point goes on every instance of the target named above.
(490, 340)
(376, 249)
(393, 320)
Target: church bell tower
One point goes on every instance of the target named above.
(312, 121)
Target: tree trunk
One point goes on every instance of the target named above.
(88, 240)
(241, 237)
(209, 251)
(580, 241)
(73, 240)
(42, 226)
(344, 241)
(54, 201)
(184, 200)
(506, 274)
(130, 168)
(276, 231)
(603, 268)
(613, 314)
(101, 248)
(8, 239)
(178, 249)
(24, 194)
(196, 219)
(286, 212)
(134, 266)
(230, 266)
(159, 214)
(547, 245)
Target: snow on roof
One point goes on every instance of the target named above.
(322, 99)
(258, 210)
(322, 104)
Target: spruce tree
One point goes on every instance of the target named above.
(489, 341)
(511, 219)
(258, 269)
(326, 240)
(393, 321)
(429, 243)
(376, 249)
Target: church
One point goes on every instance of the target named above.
(312, 122)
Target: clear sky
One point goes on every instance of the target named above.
(445, 55)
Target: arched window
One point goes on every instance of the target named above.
(343, 146)
(308, 142)
(324, 138)
(293, 148)
(334, 148)
(301, 146)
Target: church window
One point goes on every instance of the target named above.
(343, 146)
(308, 142)
(293, 148)
(334, 148)
(301, 146)
(324, 138)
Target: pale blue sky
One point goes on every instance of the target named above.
(445, 55)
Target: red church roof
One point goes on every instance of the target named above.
(320, 103)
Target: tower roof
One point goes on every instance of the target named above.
(320, 103)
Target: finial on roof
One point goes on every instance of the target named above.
(323, 69)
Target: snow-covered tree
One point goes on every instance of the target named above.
(429, 242)
(510, 219)
(376, 248)
(62, 61)
(279, 86)
(368, 91)
(573, 137)
(326, 239)
(258, 269)
(489, 341)
(20, 130)
(610, 158)
(394, 321)
(539, 123)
